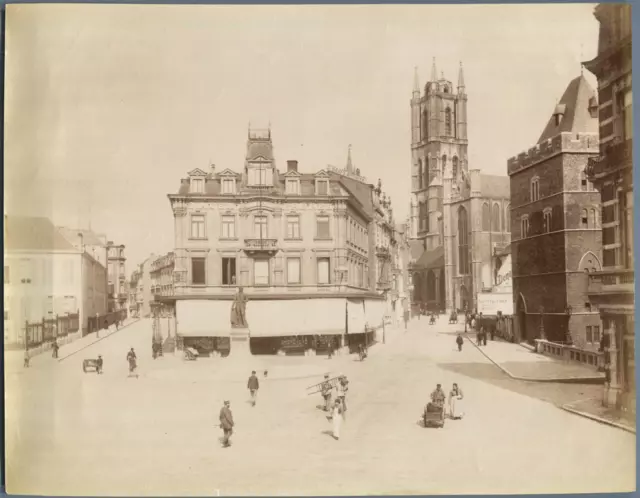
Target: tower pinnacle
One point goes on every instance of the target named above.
(461, 79)
(416, 83)
(434, 72)
(349, 163)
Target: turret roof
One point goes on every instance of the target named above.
(576, 117)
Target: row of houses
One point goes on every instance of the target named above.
(54, 272)
(316, 253)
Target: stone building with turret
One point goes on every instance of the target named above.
(555, 223)
(459, 216)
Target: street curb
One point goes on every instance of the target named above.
(98, 340)
(598, 419)
(566, 380)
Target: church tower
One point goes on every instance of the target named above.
(439, 171)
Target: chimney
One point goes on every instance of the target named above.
(292, 165)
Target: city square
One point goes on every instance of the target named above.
(109, 434)
(319, 250)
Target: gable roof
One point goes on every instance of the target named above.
(228, 172)
(292, 173)
(361, 191)
(574, 105)
(495, 186)
(33, 233)
(89, 237)
(197, 172)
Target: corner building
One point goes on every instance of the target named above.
(459, 216)
(612, 174)
(556, 225)
(300, 245)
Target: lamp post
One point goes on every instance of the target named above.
(340, 272)
(542, 333)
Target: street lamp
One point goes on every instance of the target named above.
(542, 333)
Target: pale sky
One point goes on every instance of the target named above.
(108, 107)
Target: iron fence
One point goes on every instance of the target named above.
(48, 329)
(102, 322)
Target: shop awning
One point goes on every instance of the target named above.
(431, 259)
(289, 317)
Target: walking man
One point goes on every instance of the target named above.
(26, 358)
(226, 422)
(342, 387)
(253, 385)
(55, 347)
(459, 342)
(337, 418)
(132, 359)
(326, 389)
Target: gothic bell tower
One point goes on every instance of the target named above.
(438, 150)
(439, 176)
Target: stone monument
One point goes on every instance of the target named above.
(239, 337)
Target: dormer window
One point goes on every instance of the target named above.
(558, 113)
(293, 186)
(197, 185)
(322, 187)
(228, 186)
(260, 175)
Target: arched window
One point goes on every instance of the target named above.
(420, 175)
(447, 122)
(535, 189)
(426, 172)
(444, 163)
(507, 218)
(495, 218)
(425, 125)
(454, 167)
(524, 227)
(486, 218)
(593, 220)
(584, 220)
(463, 241)
(547, 220)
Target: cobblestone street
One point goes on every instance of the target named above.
(82, 434)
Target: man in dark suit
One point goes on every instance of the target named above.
(226, 422)
(253, 385)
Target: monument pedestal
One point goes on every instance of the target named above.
(239, 342)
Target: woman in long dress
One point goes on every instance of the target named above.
(455, 403)
(336, 418)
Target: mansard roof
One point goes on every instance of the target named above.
(259, 150)
(212, 186)
(574, 107)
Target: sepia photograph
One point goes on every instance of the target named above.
(318, 250)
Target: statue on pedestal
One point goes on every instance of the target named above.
(238, 310)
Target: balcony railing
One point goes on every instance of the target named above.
(260, 245)
(611, 281)
(617, 155)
